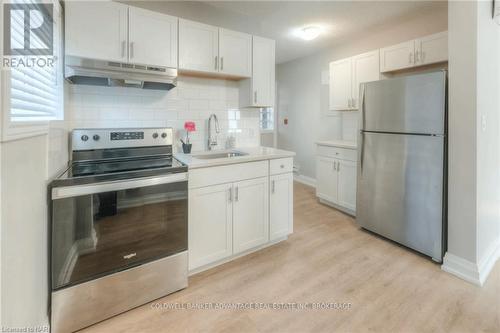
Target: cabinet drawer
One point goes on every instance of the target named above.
(227, 173)
(281, 165)
(335, 152)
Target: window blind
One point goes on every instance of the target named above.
(35, 91)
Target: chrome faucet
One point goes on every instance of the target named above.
(212, 140)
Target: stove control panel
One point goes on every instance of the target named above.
(101, 138)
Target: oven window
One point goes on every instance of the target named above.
(97, 234)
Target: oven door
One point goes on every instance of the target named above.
(102, 228)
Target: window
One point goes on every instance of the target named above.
(267, 119)
(34, 82)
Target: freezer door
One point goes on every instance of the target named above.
(400, 189)
(410, 104)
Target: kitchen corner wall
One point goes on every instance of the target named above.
(303, 98)
(194, 99)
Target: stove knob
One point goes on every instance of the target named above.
(96, 137)
(155, 135)
(164, 135)
(84, 137)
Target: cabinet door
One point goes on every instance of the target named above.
(281, 206)
(326, 179)
(210, 224)
(263, 72)
(152, 38)
(235, 52)
(96, 30)
(346, 184)
(432, 49)
(365, 68)
(250, 214)
(397, 56)
(340, 84)
(198, 46)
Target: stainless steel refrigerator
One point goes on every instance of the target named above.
(401, 185)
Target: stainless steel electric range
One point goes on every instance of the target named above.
(118, 225)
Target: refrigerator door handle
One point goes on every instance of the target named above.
(362, 106)
(361, 150)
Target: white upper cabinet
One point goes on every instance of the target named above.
(423, 51)
(432, 49)
(208, 49)
(152, 38)
(96, 30)
(198, 46)
(365, 68)
(111, 31)
(341, 84)
(397, 56)
(346, 76)
(235, 53)
(258, 91)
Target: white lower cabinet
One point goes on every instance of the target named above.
(210, 224)
(327, 180)
(336, 172)
(250, 214)
(230, 214)
(281, 205)
(347, 184)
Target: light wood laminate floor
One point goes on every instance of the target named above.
(327, 259)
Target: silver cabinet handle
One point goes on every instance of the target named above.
(124, 43)
(230, 194)
(417, 56)
(221, 63)
(255, 96)
(236, 198)
(338, 166)
(131, 50)
(272, 186)
(216, 62)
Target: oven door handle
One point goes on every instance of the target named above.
(78, 190)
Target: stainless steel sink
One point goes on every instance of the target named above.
(227, 154)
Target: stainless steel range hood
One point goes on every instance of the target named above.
(106, 73)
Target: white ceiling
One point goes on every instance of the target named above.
(278, 19)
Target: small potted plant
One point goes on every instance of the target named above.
(189, 126)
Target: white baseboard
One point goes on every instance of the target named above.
(305, 180)
(469, 271)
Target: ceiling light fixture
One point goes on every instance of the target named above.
(310, 33)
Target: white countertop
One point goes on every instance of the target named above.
(338, 143)
(254, 154)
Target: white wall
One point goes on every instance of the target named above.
(193, 99)
(304, 100)
(474, 141)
(24, 232)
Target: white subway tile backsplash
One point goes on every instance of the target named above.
(194, 99)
